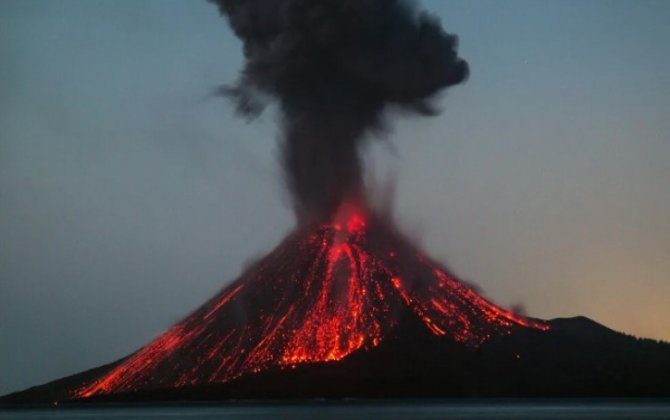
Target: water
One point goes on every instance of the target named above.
(363, 410)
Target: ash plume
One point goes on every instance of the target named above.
(333, 67)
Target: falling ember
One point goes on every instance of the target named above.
(323, 294)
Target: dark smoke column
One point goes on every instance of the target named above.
(334, 66)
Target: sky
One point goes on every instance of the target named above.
(129, 194)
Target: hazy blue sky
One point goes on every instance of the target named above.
(128, 196)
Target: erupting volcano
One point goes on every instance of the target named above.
(346, 305)
(324, 293)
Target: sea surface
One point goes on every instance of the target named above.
(556, 409)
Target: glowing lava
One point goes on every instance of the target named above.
(322, 294)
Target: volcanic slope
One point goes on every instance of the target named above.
(324, 293)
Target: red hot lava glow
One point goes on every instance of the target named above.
(321, 295)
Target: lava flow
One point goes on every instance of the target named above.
(324, 293)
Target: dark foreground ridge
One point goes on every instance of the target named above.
(577, 357)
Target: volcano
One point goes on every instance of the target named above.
(346, 306)
(323, 294)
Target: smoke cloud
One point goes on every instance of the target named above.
(333, 67)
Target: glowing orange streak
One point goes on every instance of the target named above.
(141, 360)
(434, 328)
(488, 307)
(223, 301)
(260, 352)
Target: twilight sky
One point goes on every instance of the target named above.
(129, 195)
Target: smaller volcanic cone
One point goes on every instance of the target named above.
(324, 293)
